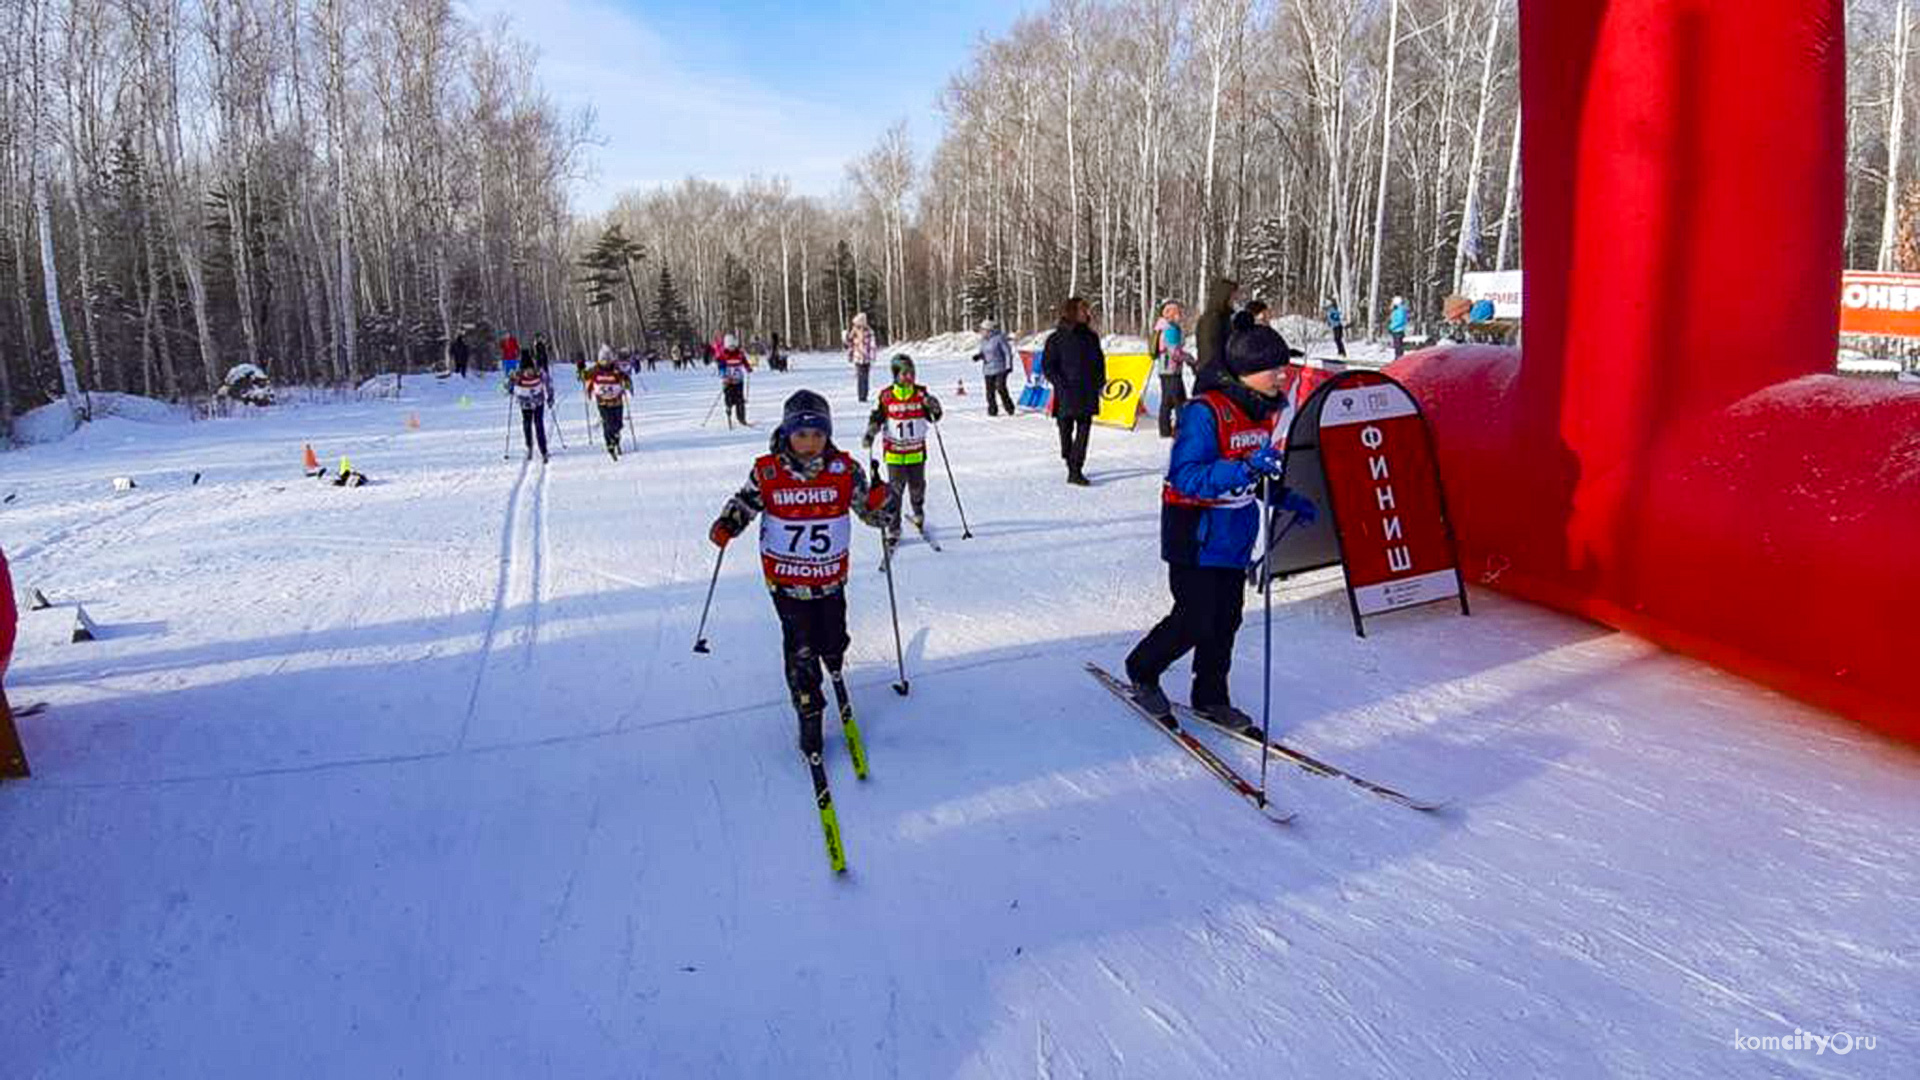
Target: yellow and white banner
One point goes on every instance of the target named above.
(1126, 381)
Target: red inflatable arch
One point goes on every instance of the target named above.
(1674, 457)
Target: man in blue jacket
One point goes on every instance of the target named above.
(1209, 521)
(1397, 326)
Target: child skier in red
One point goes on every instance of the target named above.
(903, 414)
(808, 490)
(609, 387)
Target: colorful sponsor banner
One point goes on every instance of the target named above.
(1503, 287)
(1126, 381)
(1879, 305)
(1382, 483)
(1037, 396)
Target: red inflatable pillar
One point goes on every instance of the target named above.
(1672, 456)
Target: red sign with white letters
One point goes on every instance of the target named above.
(1383, 484)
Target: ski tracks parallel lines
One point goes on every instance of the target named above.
(509, 549)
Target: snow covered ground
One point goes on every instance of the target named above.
(422, 779)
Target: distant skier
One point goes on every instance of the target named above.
(1209, 519)
(509, 352)
(903, 413)
(1397, 326)
(734, 366)
(809, 491)
(609, 387)
(542, 354)
(533, 391)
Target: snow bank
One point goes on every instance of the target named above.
(51, 422)
(380, 386)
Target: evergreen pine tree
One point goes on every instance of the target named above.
(980, 292)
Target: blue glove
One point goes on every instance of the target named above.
(1304, 512)
(1268, 461)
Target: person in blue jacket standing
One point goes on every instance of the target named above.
(1397, 326)
(1209, 521)
(1338, 324)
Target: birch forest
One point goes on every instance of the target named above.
(333, 189)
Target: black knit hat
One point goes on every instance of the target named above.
(805, 410)
(1258, 348)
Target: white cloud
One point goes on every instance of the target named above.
(661, 115)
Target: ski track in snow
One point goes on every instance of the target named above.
(422, 778)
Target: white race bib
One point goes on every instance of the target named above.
(908, 431)
(819, 542)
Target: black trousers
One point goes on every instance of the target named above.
(812, 632)
(1207, 605)
(911, 480)
(1340, 340)
(1173, 394)
(533, 425)
(736, 394)
(1399, 343)
(997, 397)
(1074, 432)
(861, 371)
(611, 422)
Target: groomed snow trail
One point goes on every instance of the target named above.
(423, 779)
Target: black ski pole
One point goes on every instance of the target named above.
(700, 635)
(893, 606)
(633, 436)
(558, 428)
(1266, 601)
(715, 405)
(966, 532)
(506, 448)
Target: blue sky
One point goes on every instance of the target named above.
(728, 89)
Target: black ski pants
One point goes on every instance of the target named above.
(612, 420)
(736, 395)
(997, 396)
(533, 426)
(812, 632)
(1207, 605)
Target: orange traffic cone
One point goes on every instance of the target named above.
(413, 421)
(960, 388)
(308, 462)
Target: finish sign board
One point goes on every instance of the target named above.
(1360, 448)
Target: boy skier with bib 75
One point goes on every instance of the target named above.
(807, 491)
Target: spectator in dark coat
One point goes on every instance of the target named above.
(1076, 367)
(457, 353)
(1215, 324)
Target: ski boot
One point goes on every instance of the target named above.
(1148, 695)
(1232, 719)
